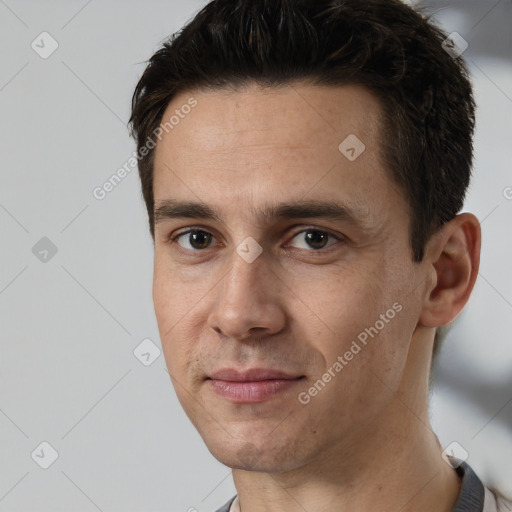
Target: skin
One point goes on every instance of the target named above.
(364, 442)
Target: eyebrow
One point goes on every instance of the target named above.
(329, 210)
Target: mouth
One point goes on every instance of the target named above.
(252, 385)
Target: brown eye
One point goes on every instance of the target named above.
(315, 238)
(196, 238)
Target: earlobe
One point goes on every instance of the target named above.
(454, 259)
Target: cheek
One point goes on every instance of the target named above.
(340, 300)
(356, 314)
(172, 305)
(174, 295)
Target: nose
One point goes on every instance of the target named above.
(248, 300)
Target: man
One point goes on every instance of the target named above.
(304, 163)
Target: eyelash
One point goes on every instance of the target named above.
(172, 239)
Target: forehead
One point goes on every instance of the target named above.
(295, 141)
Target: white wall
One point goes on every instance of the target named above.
(69, 326)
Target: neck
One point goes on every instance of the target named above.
(392, 464)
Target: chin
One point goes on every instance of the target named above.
(266, 457)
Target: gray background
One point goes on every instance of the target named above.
(70, 323)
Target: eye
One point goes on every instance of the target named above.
(314, 238)
(197, 239)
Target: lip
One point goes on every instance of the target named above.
(252, 385)
(251, 375)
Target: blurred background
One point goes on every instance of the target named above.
(88, 417)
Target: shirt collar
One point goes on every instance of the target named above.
(472, 492)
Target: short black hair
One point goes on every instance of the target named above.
(382, 44)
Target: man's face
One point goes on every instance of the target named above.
(321, 288)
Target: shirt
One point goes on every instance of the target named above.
(474, 496)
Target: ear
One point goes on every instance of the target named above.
(453, 257)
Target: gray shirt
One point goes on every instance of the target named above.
(473, 496)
